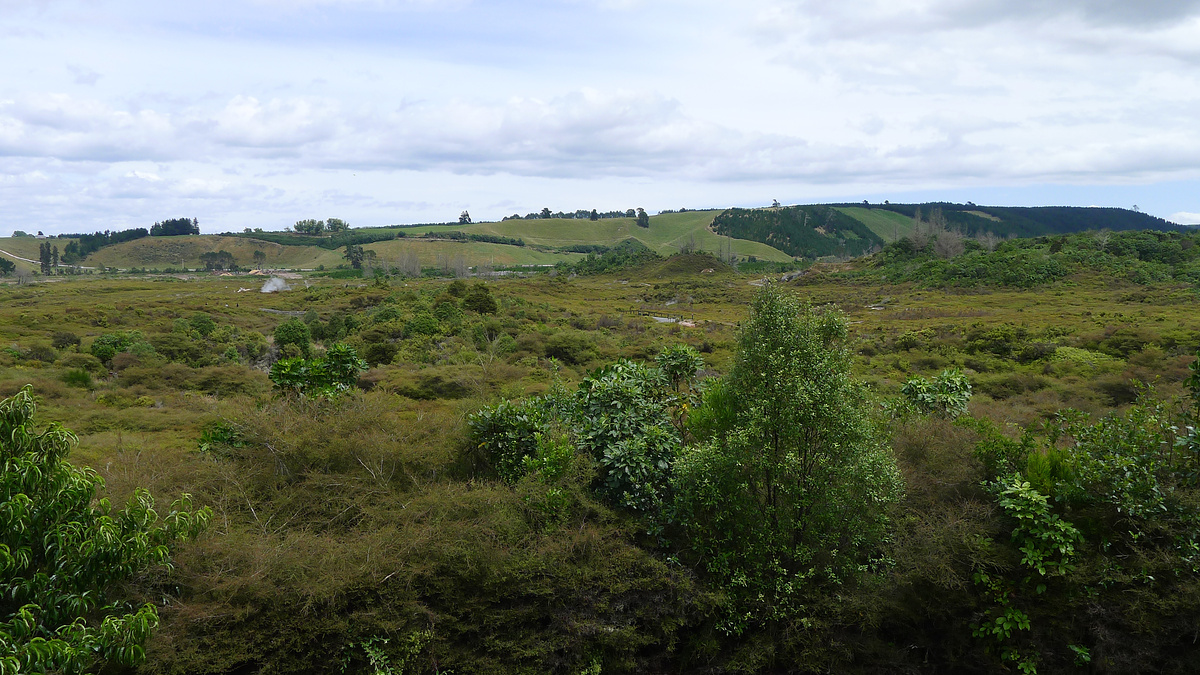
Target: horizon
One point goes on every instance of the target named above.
(451, 223)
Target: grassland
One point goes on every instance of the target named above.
(668, 233)
(889, 225)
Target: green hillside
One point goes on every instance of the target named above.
(1018, 221)
(889, 225)
(768, 234)
(668, 233)
(803, 231)
(433, 252)
(185, 251)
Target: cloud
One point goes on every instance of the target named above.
(280, 124)
(583, 133)
(1185, 218)
(69, 128)
(84, 76)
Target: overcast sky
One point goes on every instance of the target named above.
(257, 113)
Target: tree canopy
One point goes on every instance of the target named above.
(790, 484)
(175, 227)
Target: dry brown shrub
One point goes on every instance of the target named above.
(384, 438)
(937, 459)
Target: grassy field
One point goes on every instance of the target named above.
(889, 225)
(667, 234)
(435, 252)
(26, 247)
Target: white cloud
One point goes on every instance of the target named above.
(252, 108)
(1185, 218)
(83, 75)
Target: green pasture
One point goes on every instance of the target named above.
(440, 252)
(889, 225)
(668, 233)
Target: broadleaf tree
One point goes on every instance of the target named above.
(789, 486)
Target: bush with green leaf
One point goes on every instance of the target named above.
(506, 434)
(479, 299)
(294, 332)
(329, 375)
(946, 395)
(63, 554)
(109, 345)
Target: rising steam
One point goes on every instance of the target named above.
(275, 284)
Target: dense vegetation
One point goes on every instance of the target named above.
(456, 235)
(336, 240)
(1138, 257)
(86, 244)
(628, 253)
(801, 231)
(173, 227)
(1031, 221)
(857, 474)
(62, 556)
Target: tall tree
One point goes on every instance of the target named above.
(464, 218)
(309, 226)
(643, 218)
(356, 255)
(44, 257)
(791, 483)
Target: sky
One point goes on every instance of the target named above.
(258, 113)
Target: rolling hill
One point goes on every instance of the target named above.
(770, 234)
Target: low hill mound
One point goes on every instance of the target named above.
(682, 265)
(185, 251)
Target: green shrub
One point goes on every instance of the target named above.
(479, 299)
(571, 347)
(946, 395)
(230, 380)
(84, 362)
(422, 323)
(437, 382)
(64, 339)
(40, 352)
(293, 332)
(380, 353)
(202, 323)
(109, 345)
(1007, 385)
(622, 419)
(181, 348)
(77, 377)
(330, 375)
(506, 435)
